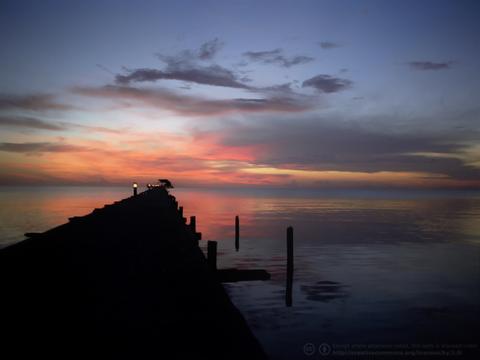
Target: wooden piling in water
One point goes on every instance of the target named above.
(212, 254)
(237, 233)
(288, 291)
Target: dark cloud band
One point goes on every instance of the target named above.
(29, 122)
(33, 102)
(214, 75)
(192, 105)
(327, 84)
(320, 145)
(429, 65)
(328, 45)
(40, 147)
(276, 57)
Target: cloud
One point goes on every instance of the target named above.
(100, 129)
(251, 100)
(214, 75)
(429, 65)
(209, 49)
(206, 51)
(178, 164)
(37, 124)
(40, 147)
(328, 45)
(193, 105)
(29, 122)
(31, 102)
(186, 66)
(278, 89)
(277, 57)
(318, 144)
(327, 83)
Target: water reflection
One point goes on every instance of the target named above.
(324, 291)
(368, 268)
(36, 209)
(333, 219)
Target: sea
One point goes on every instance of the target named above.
(376, 272)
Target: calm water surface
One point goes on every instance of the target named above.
(371, 268)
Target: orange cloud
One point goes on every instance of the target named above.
(204, 159)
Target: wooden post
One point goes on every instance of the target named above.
(212, 254)
(180, 211)
(288, 292)
(193, 224)
(237, 233)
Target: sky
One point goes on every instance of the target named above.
(314, 94)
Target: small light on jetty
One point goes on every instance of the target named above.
(135, 188)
